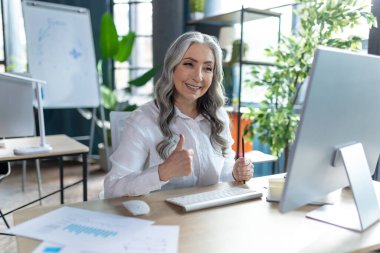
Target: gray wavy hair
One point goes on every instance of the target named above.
(207, 105)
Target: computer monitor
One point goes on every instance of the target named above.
(341, 109)
(16, 107)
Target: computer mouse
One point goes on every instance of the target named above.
(136, 207)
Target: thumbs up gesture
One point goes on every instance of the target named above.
(180, 143)
(178, 164)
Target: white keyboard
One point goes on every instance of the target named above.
(219, 197)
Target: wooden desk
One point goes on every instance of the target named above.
(250, 226)
(62, 146)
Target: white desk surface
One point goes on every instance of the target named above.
(250, 226)
(61, 144)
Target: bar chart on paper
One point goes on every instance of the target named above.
(74, 226)
(154, 239)
(78, 229)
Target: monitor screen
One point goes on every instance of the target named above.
(341, 107)
(16, 107)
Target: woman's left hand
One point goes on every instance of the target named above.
(243, 170)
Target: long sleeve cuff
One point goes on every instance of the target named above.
(134, 184)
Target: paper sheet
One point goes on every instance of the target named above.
(163, 239)
(79, 227)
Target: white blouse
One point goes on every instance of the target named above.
(135, 162)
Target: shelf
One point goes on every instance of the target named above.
(230, 109)
(262, 63)
(231, 18)
(233, 87)
(258, 63)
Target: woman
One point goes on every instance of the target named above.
(182, 138)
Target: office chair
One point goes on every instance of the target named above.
(117, 122)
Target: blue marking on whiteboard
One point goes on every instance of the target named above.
(45, 32)
(51, 24)
(75, 54)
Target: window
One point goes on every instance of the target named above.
(12, 37)
(253, 96)
(134, 16)
(2, 51)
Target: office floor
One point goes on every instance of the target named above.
(11, 195)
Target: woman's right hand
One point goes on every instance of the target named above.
(178, 164)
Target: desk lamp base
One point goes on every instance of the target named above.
(32, 150)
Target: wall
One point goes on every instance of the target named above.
(168, 23)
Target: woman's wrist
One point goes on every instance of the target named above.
(162, 173)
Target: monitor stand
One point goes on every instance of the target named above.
(361, 211)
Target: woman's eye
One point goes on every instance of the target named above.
(188, 64)
(208, 69)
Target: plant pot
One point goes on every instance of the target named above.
(197, 15)
(197, 9)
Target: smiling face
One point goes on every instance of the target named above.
(193, 75)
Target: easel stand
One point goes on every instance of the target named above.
(365, 211)
(77, 74)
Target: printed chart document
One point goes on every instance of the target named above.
(163, 239)
(78, 227)
(50, 247)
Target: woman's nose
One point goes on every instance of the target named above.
(197, 74)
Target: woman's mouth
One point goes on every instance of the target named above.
(192, 87)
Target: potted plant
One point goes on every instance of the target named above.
(197, 9)
(275, 121)
(116, 48)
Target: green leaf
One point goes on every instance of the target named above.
(125, 47)
(197, 5)
(130, 108)
(142, 80)
(109, 42)
(108, 98)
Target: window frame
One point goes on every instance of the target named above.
(131, 65)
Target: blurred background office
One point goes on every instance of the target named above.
(244, 28)
(156, 24)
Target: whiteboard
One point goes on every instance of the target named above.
(60, 50)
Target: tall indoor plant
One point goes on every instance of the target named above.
(115, 48)
(320, 21)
